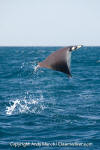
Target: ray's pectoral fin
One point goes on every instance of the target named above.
(62, 67)
(59, 60)
(44, 65)
(68, 62)
(69, 73)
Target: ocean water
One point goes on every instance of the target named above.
(44, 106)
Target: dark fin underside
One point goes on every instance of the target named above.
(62, 67)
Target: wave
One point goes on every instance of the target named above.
(98, 61)
(87, 94)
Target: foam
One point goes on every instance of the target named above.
(25, 105)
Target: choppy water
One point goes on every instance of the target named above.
(46, 106)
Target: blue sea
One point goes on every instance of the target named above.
(44, 109)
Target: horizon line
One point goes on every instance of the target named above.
(46, 45)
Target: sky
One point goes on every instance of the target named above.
(49, 22)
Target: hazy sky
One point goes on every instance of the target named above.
(49, 22)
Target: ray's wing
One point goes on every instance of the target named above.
(59, 61)
(68, 58)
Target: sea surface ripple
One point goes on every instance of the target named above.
(46, 106)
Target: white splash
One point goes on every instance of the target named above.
(22, 65)
(35, 67)
(26, 105)
(10, 109)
